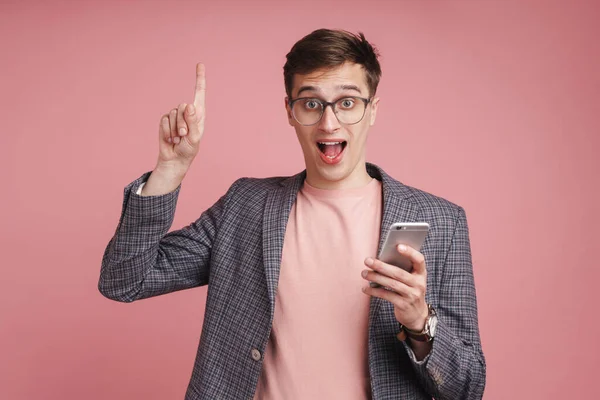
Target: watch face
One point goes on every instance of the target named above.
(432, 325)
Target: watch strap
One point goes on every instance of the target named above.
(420, 336)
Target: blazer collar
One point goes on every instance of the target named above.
(396, 208)
(391, 186)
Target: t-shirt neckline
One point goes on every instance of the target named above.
(336, 193)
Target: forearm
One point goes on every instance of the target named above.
(143, 259)
(163, 180)
(132, 251)
(453, 369)
(420, 349)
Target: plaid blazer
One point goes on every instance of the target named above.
(235, 248)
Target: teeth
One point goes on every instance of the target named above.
(330, 143)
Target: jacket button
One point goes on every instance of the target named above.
(255, 354)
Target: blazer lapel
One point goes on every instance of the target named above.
(396, 208)
(276, 214)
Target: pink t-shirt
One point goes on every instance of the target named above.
(318, 345)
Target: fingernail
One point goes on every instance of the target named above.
(402, 247)
(369, 261)
(176, 139)
(182, 131)
(364, 273)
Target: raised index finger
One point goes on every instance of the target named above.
(200, 90)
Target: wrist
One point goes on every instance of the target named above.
(162, 181)
(426, 333)
(173, 172)
(419, 324)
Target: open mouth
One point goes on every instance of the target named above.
(332, 150)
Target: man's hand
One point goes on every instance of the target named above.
(182, 128)
(179, 137)
(407, 292)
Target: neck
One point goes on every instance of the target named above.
(359, 177)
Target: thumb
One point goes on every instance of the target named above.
(417, 259)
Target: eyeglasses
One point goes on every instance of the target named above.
(309, 110)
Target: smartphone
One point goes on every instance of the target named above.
(412, 234)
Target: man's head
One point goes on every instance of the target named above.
(338, 67)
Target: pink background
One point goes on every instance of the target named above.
(491, 104)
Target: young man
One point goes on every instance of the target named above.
(290, 313)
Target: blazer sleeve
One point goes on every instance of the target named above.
(455, 367)
(142, 260)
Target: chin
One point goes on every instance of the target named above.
(332, 173)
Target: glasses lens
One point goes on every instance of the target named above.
(350, 110)
(307, 111)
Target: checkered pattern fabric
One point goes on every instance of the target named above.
(235, 248)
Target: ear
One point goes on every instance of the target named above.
(289, 112)
(374, 105)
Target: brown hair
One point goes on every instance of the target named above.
(327, 48)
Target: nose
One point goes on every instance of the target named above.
(329, 122)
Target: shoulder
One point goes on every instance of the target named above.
(257, 186)
(431, 202)
(250, 194)
(431, 206)
(421, 199)
(445, 217)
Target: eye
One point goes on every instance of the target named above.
(311, 104)
(347, 103)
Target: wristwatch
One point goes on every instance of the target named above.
(428, 332)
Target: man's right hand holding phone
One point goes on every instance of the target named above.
(180, 132)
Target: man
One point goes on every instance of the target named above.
(290, 313)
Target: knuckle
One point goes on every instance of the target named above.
(412, 296)
(400, 274)
(401, 305)
(190, 117)
(396, 286)
(377, 264)
(374, 277)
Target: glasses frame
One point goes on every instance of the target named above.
(324, 105)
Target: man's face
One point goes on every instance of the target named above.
(338, 165)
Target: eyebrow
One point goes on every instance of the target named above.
(316, 89)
